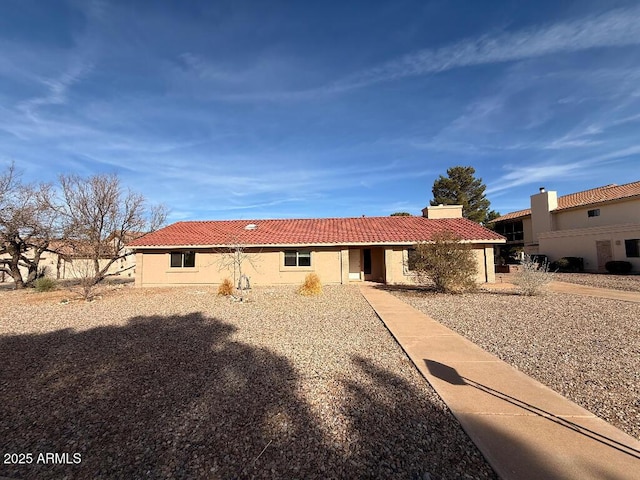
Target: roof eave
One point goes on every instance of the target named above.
(286, 245)
(597, 204)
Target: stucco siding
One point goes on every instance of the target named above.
(400, 274)
(266, 266)
(56, 267)
(262, 267)
(610, 214)
(399, 271)
(527, 231)
(582, 243)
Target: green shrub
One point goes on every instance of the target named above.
(618, 267)
(447, 262)
(311, 285)
(568, 264)
(44, 284)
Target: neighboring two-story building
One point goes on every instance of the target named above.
(598, 225)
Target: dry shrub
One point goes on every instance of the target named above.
(311, 285)
(532, 276)
(447, 262)
(225, 288)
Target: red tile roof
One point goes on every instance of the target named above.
(318, 231)
(513, 215)
(587, 197)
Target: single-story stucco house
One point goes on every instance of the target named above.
(339, 250)
(597, 225)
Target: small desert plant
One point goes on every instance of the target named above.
(42, 271)
(532, 276)
(225, 288)
(447, 262)
(311, 285)
(618, 267)
(87, 288)
(45, 284)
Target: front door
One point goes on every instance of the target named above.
(603, 248)
(366, 261)
(354, 264)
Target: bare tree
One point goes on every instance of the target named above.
(100, 218)
(233, 258)
(27, 226)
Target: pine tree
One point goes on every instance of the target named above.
(461, 187)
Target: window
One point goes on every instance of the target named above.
(297, 258)
(632, 247)
(412, 258)
(514, 231)
(183, 259)
(593, 213)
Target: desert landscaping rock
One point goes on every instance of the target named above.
(586, 348)
(629, 283)
(181, 383)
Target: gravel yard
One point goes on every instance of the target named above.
(629, 283)
(180, 383)
(587, 349)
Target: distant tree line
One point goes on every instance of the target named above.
(92, 216)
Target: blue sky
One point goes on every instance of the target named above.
(253, 109)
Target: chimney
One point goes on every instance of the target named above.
(442, 211)
(542, 204)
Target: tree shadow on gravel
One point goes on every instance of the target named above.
(405, 288)
(400, 433)
(162, 397)
(424, 290)
(177, 397)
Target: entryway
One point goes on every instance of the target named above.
(367, 264)
(603, 249)
(354, 264)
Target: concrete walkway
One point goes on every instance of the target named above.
(565, 287)
(523, 428)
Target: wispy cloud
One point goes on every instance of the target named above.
(531, 174)
(580, 137)
(615, 28)
(56, 88)
(618, 27)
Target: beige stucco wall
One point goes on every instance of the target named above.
(58, 268)
(263, 267)
(330, 263)
(541, 218)
(582, 243)
(442, 211)
(610, 214)
(81, 268)
(398, 273)
(527, 231)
